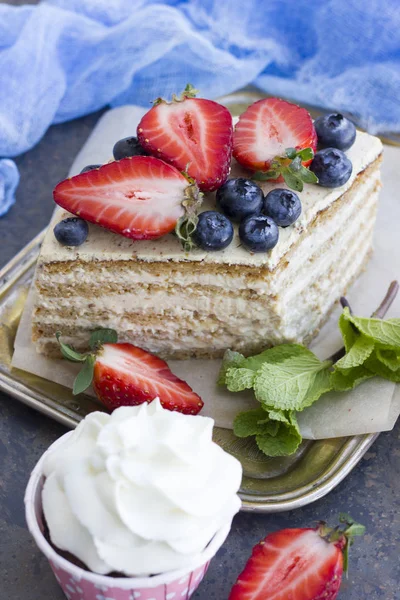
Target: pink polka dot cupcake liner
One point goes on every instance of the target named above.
(79, 584)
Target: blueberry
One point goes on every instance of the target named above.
(71, 231)
(332, 167)
(213, 232)
(335, 131)
(240, 198)
(90, 168)
(258, 233)
(126, 147)
(283, 206)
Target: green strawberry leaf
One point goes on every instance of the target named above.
(103, 336)
(68, 352)
(85, 376)
(361, 349)
(230, 359)
(238, 379)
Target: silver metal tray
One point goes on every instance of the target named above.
(269, 484)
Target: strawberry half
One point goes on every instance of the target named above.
(193, 134)
(297, 564)
(267, 129)
(125, 375)
(141, 198)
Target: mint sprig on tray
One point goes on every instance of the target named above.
(289, 378)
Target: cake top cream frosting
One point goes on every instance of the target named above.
(104, 245)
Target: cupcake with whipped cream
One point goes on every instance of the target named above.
(143, 494)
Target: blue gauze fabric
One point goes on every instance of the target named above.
(9, 179)
(65, 58)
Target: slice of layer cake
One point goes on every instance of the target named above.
(178, 304)
(181, 304)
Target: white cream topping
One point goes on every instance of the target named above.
(140, 491)
(108, 246)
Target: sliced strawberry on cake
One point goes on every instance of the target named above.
(193, 134)
(141, 198)
(125, 375)
(277, 139)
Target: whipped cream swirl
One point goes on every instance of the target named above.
(141, 491)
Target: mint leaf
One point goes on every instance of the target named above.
(295, 165)
(103, 336)
(390, 358)
(291, 153)
(68, 352)
(307, 176)
(342, 381)
(266, 175)
(273, 437)
(374, 365)
(361, 349)
(386, 332)
(229, 360)
(273, 355)
(285, 442)
(306, 154)
(238, 379)
(347, 330)
(279, 415)
(254, 422)
(85, 376)
(292, 180)
(294, 383)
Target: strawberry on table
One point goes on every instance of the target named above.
(298, 564)
(125, 375)
(193, 134)
(141, 198)
(271, 134)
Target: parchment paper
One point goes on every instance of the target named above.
(373, 406)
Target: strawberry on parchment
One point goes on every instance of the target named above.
(141, 198)
(298, 564)
(267, 129)
(125, 375)
(193, 134)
